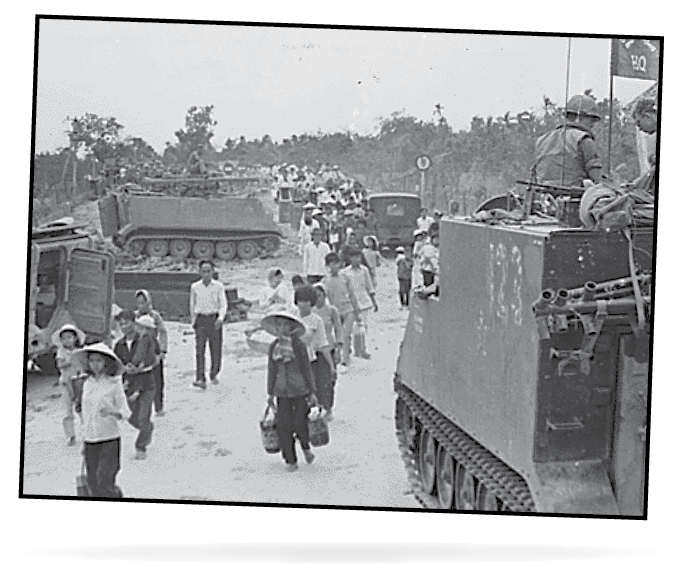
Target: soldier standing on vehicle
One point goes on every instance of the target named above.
(567, 154)
(645, 116)
(196, 165)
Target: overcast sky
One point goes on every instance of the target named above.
(282, 81)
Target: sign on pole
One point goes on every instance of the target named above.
(423, 163)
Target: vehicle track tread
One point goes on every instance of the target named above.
(488, 470)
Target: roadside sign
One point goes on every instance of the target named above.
(423, 162)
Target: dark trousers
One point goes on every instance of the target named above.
(404, 291)
(141, 410)
(427, 277)
(291, 421)
(158, 375)
(102, 461)
(206, 331)
(314, 278)
(325, 388)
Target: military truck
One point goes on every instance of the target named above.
(70, 282)
(522, 386)
(160, 225)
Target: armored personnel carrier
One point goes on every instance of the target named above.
(158, 224)
(523, 384)
(70, 282)
(216, 184)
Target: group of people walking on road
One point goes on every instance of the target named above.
(104, 385)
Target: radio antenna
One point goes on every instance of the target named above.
(567, 91)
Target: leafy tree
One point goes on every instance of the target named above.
(199, 125)
(136, 150)
(99, 136)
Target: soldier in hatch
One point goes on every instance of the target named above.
(567, 154)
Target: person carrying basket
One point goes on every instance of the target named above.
(290, 381)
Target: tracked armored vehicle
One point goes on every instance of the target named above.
(216, 185)
(70, 282)
(157, 225)
(523, 386)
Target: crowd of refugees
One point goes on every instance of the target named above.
(104, 386)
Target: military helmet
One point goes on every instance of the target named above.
(583, 105)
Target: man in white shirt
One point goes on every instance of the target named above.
(314, 258)
(424, 221)
(208, 307)
(307, 224)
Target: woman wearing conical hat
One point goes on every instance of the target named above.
(291, 383)
(104, 405)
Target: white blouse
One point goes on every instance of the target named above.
(103, 393)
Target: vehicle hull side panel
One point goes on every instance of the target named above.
(473, 352)
(171, 213)
(629, 446)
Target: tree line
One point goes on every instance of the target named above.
(467, 165)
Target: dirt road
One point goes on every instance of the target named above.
(208, 445)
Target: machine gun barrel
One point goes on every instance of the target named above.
(620, 306)
(554, 189)
(608, 287)
(547, 296)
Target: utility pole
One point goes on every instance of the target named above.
(74, 171)
(422, 188)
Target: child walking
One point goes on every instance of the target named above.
(141, 392)
(103, 406)
(290, 381)
(429, 258)
(333, 328)
(138, 353)
(404, 267)
(67, 339)
(340, 293)
(364, 291)
(144, 307)
(318, 348)
(372, 257)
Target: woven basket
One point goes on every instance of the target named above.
(318, 431)
(359, 340)
(268, 433)
(81, 484)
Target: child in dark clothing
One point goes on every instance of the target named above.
(139, 351)
(404, 266)
(290, 381)
(297, 282)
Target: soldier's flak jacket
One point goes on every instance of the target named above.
(570, 145)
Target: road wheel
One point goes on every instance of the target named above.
(247, 250)
(202, 249)
(445, 478)
(427, 461)
(136, 247)
(486, 499)
(157, 248)
(180, 248)
(465, 492)
(271, 244)
(226, 250)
